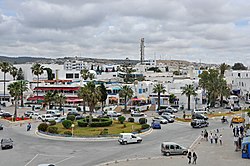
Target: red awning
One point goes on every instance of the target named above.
(138, 99)
(35, 98)
(57, 88)
(74, 100)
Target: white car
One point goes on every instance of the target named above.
(126, 138)
(46, 117)
(168, 114)
(55, 113)
(160, 120)
(171, 108)
(35, 115)
(60, 119)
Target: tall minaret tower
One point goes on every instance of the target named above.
(142, 50)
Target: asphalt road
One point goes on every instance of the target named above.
(30, 150)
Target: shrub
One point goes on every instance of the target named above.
(104, 132)
(42, 127)
(142, 120)
(52, 122)
(103, 122)
(78, 109)
(67, 133)
(71, 117)
(131, 119)
(121, 119)
(53, 129)
(67, 124)
(22, 118)
(82, 123)
(145, 126)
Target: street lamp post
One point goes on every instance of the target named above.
(72, 128)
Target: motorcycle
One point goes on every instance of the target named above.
(224, 120)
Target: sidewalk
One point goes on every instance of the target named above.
(208, 154)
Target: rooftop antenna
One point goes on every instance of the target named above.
(142, 49)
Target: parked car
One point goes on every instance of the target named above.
(200, 116)
(172, 108)
(73, 113)
(55, 113)
(169, 148)
(168, 114)
(161, 120)
(126, 138)
(155, 125)
(29, 113)
(236, 107)
(6, 115)
(238, 119)
(1, 127)
(198, 123)
(201, 111)
(161, 111)
(35, 115)
(6, 143)
(46, 117)
(113, 114)
(137, 114)
(60, 119)
(168, 118)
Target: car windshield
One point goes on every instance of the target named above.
(6, 140)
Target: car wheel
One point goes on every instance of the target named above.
(184, 153)
(167, 154)
(139, 141)
(124, 142)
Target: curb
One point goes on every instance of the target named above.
(85, 139)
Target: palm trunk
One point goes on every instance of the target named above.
(4, 75)
(15, 113)
(37, 89)
(21, 98)
(159, 104)
(84, 105)
(221, 100)
(102, 106)
(188, 102)
(125, 104)
(90, 114)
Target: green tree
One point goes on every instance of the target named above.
(49, 73)
(82, 94)
(20, 75)
(104, 94)
(223, 67)
(5, 68)
(13, 72)
(60, 99)
(37, 69)
(172, 97)
(23, 87)
(92, 97)
(49, 98)
(126, 92)
(91, 76)
(85, 73)
(189, 90)
(239, 66)
(159, 88)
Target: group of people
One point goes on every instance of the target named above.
(215, 137)
(190, 156)
(238, 133)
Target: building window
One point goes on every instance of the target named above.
(247, 75)
(77, 75)
(242, 83)
(69, 75)
(238, 74)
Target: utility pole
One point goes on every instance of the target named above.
(142, 50)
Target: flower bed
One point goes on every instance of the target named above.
(17, 118)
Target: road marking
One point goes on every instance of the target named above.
(31, 160)
(64, 160)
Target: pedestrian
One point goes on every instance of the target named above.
(220, 139)
(234, 132)
(28, 126)
(239, 142)
(241, 130)
(211, 138)
(206, 135)
(194, 157)
(216, 138)
(231, 124)
(202, 135)
(236, 143)
(237, 131)
(189, 156)
(217, 130)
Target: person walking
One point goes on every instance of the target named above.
(189, 156)
(220, 139)
(236, 143)
(194, 157)
(28, 126)
(231, 124)
(206, 135)
(215, 138)
(234, 131)
(211, 138)
(202, 135)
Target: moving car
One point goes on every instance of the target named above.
(168, 114)
(6, 143)
(155, 125)
(46, 117)
(113, 114)
(160, 120)
(238, 119)
(126, 138)
(200, 111)
(1, 127)
(168, 118)
(199, 123)
(137, 114)
(55, 113)
(170, 148)
(29, 113)
(200, 116)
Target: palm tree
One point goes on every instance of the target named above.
(60, 99)
(37, 69)
(85, 73)
(126, 92)
(104, 94)
(93, 96)
(189, 91)
(82, 94)
(49, 98)
(23, 88)
(5, 68)
(14, 90)
(91, 76)
(13, 72)
(223, 68)
(159, 88)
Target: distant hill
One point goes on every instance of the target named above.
(21, 60)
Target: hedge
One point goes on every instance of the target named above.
(145, 126)
(131, 119)
(67, 124)
(71, 117)
(52, 122)
(121, 119)
(96, 122)
(42, 127)
(67, 133)
(53, 129)
(142, 120)
(82, 123)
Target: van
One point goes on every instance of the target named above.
(200, 111)
(199, 123)
(46, 117)
(126, 138)
(170, 148)
(113, 114)
(55, 113)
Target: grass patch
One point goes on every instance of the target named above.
(184, 120)
(115, 128)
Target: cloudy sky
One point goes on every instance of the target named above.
(195, 30)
